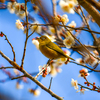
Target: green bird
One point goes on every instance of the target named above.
(50, 49)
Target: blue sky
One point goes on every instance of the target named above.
(61, 84)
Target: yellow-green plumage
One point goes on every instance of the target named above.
(50, 49)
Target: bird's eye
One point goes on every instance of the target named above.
(43, 38)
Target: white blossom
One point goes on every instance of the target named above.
(19, 25)
(16, 71)
(36, 92)
(19, 86)
(74, 84)
(64, 19)
(38, 29)
(90, 60)
(80, 61)
(52, 29)
(55, 68)
(69, 41)
(68, 5)
(72, 24)
(11, 7)
(82, 91)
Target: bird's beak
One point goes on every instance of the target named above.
(37, 38)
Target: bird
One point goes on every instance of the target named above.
(50, 49)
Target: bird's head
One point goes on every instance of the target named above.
(43, 40)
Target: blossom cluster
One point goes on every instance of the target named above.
(83, 73)
(68, 5)
(17, 8)
(74, 84)
(88, 60)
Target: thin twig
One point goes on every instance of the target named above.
(88, 46)
(26, 34)
(18, 77)
(50, 82)
(54, 15)
(24, 76)
(94, 37)
(77, 28)
(54, 7)
(81, 53)
(86, 87)
(6, 67)
(33, 31)
(84, 66)
(14, 59)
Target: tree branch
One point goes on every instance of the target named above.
(94, 3)
(6, 67)
(50, 82)
(84, 66)
(26, 34)
(85, 20)
(41, 85)
(91, 10)
(14, 59)
(30, 77)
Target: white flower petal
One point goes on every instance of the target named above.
(19, 25)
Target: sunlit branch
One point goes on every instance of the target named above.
(94, 3)
(91, 10)
(94, 37)
(54, 16)
(54, 7)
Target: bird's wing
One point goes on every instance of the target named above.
(54, 47)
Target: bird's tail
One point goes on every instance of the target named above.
(70, 58)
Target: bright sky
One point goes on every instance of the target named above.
(61, 84)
